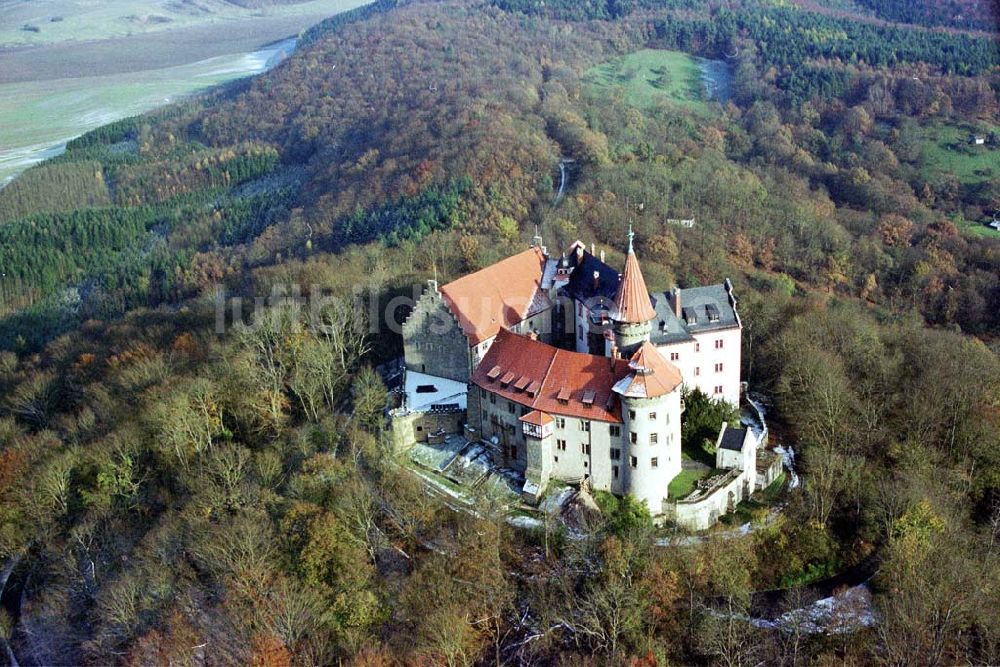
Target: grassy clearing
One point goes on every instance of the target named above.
(946, 150)
(652, 75)
(975, 228)
(682, 485)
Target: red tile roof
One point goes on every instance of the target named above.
(632, 301)
(652, 375)
(498, 296)
(558, 373)
(538, 418)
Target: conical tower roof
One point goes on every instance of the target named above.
(652, 375)
(632, 301)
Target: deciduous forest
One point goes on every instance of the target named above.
(173, 495)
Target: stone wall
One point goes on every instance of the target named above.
(433, 342)
(703, 512)
(413, 427)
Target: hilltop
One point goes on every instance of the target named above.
(178, 489)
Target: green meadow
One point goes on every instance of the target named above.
(946, 150)
(651, 76)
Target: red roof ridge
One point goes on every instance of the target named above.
(497, 296)
(538, 418)
(652, 375)
(555, 370)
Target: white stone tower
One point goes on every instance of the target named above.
(651, 411)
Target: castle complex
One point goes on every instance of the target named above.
(573, 371)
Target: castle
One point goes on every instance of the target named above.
(573, 371)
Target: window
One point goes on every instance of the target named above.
(654, 438)
(419, 429)
(718, 343)
(510, 407)
(560, 422)
(718, 389)
(584, 425)
(580, 333)
(556, 459)
(653, 462)
(615, 431)
(484, 415)
(585, 448)
(524, 410)
(675, 356)
(631, 414)
(697, 370)
(697, 347)
(718, 368)
(614, 471)
(652, 416)
(493, 399)
(632, 437)
(632, 461)
(586, 464)
(561, 445)
(513, 451)
(616, 454)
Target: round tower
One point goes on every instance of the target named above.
(632, 315)
(651, 415)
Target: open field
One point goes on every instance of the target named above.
(946, 150)
(52, 92)
(32, 22)
(36, 118)
(139, 53)
(976, 228)
(652, 75)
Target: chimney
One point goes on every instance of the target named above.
(677, 300)
(592, 249)
(597, 279)
(533, 334)
(614, 352)
(602, 255)
(579, 253)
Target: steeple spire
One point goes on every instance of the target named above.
(632, 300)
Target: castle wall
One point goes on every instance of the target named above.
(408, 429)
(703, 512)
(433, 342)
(579, 447)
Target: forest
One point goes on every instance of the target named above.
(172, 493)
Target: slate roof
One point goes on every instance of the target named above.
(499, 296)
(707, 308)
(732, 438)
(559, 380)
(581, 282)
